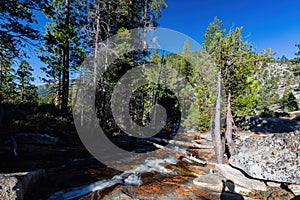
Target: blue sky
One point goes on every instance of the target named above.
(266, 24)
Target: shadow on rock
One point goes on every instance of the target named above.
(230, 194)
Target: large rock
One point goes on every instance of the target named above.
(273, 157)
(15, 185)
(239, 179)
(218, 183)
(295, 189)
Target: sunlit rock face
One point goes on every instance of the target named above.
(273, 157)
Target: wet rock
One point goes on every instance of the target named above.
(239, 179)
(16, 185)
(177, 187)
(117, 195)
(274, 157)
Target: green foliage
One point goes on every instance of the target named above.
(34, 118)
(25, 88)
(196, 68)
(8, 91)
(194, 121)
(157, 6)
(269, 84)
(250, 100)
(296, 65)
(213, 34)
(234, 57)
(289, 102)
(15, 31)
(61, 32)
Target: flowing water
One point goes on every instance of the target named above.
(132, 177)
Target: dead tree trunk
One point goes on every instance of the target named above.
(229, 126)
(216, 125)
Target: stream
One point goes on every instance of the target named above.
(73, 173)
(156, 168)
(130, 177)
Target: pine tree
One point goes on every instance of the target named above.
(16, 31)
(289, 102)
(107, 18)
(27, 91)
(63, 48)
(7, 84)
(236, 64)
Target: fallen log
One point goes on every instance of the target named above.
(180, 143)
(185, 154)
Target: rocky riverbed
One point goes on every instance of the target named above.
(46, 168)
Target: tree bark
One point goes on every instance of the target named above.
(22, 89)
(96, 41)
(65, 82)
(66, 67)
(0, 82)
(58, 83)
(216, 125)
(229, 126)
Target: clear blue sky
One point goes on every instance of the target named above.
(266, 23)
(271, 24)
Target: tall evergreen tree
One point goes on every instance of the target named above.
(106, 18)
(7, 84)
(16, 32)
(288, 102)
(26, 89)
(63, 49)
(237, 65)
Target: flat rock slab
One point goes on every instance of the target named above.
(239, 178)
(210, 181)
(295, 189)
(219, 184)
(272, 157)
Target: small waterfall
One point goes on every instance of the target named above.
(80, 191)
(130, 177)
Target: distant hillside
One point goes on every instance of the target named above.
(283, 75)
(44, 90)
